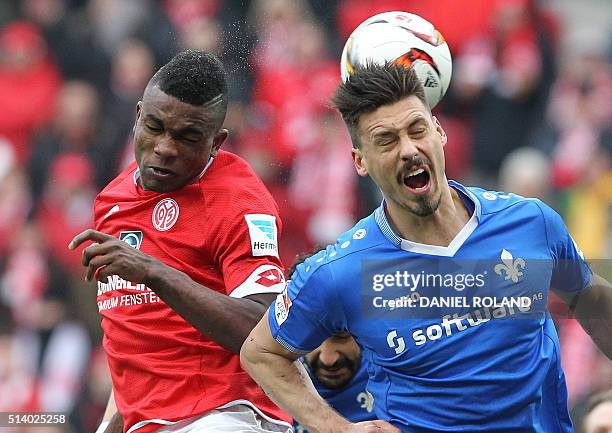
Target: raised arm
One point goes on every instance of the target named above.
(288, 385)
(593, 310)
(223, 319)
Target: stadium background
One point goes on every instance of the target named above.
(529, 111)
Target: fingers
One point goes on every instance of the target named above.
(96, 264)
(89, 235)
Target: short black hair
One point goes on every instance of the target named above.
(301, 258)
(370, 87)
(195, 77)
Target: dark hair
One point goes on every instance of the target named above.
(301, 258)
(372, 86)
(197, 78)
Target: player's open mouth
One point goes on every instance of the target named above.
(417, 179)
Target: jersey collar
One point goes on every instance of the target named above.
(208, 164)
(434, 250)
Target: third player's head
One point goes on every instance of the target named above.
(179, 121)
(336, 361)
(396, 140)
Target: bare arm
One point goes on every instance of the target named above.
(288, 385)
(593, 309)
(112, 421)
(223, 319)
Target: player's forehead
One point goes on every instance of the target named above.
(160, 106)
(394, 117)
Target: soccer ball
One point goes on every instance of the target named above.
(405, 39)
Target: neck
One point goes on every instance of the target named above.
(439, 228)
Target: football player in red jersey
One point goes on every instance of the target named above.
(185, 253)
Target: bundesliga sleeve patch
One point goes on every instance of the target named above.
(263, 234)
(282, 306)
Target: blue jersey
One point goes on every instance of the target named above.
(490, 369)
(353, 401)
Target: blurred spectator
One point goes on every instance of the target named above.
(29, 81)
(505, 77)
(15, 200)
(202, 34)
(65, 206)
(182, 13)
(580, 142)
(598, 418)
(526, 172)
(70, 39)
(132, 67)
(580, 113)
(323, 180)
(475, 16)
(113, 21)
(293, 90)
(73, 130)
(16, 381)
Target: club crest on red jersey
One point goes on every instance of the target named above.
(165, 214)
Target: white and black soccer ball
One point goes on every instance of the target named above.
(406, 39)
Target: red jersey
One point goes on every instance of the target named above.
(221, 231)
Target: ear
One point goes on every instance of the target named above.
(138, 111)
(359, 161)
(440, 131)
(218, 141)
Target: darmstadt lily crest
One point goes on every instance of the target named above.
(510, 266)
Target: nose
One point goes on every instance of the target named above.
(408, 148)
(165, 147)
(328, 355)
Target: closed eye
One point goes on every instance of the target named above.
(384, 140)
(153, 128)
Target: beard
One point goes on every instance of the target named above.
(427, 205)
(352, 365)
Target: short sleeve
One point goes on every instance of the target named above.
(308, 311)
(247, 249)
(571, 273)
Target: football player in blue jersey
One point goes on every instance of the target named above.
(338, 373)
(463, 366)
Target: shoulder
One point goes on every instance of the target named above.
(232, 183)
(492, 202)
(339, 257)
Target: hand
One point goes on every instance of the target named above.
(375, 426)
(108, 256)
